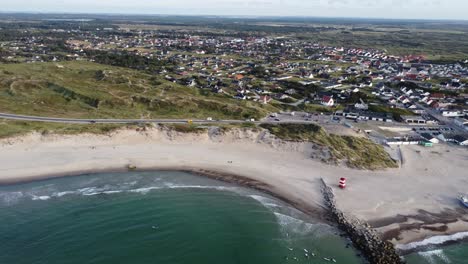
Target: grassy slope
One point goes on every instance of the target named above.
(16, 128)
(76, 91)
(357, 152)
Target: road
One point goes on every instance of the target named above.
(438, 116)
(133, 121)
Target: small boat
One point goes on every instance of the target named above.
(464, 201)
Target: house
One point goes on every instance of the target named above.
(403, 141)
(239, 77)
(418, 111)
(452, 113)
(375, 116)
(458, 139)
(240, 96)
(361, 105)
(330, 85)
(430, 138)
(434, 104)
(327, 101)
(414, 119)
(404, 100)
(437, 96)
(265, 99)
(290, 92)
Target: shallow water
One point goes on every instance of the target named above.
(157, 217)
(455, 254)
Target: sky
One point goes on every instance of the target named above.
(408, 9)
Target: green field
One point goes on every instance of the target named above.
(90, 90)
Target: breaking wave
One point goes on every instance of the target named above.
(297, 226)
(434, 256)
(267, 202)
(436, 240)
(10, 198)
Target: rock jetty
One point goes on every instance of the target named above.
(364, 238)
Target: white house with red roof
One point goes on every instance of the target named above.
(327, 101)
(265, 99)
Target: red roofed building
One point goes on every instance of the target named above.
(327, 101)
(239, 77)
(434, 104)
(437, 96)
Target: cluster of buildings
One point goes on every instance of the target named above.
(357, 83)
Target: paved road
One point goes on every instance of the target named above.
(132, 121)
(437, 115)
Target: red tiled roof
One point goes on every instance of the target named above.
(326, 98)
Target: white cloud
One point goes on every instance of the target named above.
(438, 9)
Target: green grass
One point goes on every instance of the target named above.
(316, 108)
(90, 90)
(439, 43)
(186, 128)
(16, 128)
(357, 152)
(396, 112)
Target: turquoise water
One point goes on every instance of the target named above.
(157, 217)
(455, 254)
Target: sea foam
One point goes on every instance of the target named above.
(294, 225)
(267, 202)
(10, 198)
(434, 256)
(436, 240)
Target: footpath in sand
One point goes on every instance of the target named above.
(409, 204)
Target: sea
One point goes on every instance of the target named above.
(167, 217)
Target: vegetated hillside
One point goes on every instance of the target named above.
(355, 151)
(90, 90)
(11, 128)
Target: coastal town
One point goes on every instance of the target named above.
(302, 79)
(200, 139)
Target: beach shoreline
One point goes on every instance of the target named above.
(281, 169)
(319, 213)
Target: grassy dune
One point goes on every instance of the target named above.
(15, 128)
(356, 152)
(90, 90)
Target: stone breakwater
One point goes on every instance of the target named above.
(364, 238)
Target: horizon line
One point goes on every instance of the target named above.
(228, 16)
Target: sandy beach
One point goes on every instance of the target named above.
(408, 204)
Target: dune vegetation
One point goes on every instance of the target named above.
(356, 152)
(81, 89)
